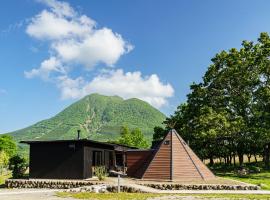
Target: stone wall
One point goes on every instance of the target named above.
(201, 187)
(51, 184)
(68, 184)
(71, 185)
(105, 188)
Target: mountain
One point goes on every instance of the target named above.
(98, 117)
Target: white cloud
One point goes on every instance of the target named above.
(75, 40)
(100, 46)
(70, 88)
(116, 82)
(50, 26)
(60, 8)
(46, 68)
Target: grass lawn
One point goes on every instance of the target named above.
(145, 196)
(262, 179)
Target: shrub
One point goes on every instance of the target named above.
(100, 172)
(254, 169)
(3, 161)
(18, 165)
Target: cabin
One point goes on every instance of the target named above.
(169, 160)
(73, 159)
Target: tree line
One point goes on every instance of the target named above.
(227, 114)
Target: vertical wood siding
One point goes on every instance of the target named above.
(176, 161)
(160, 166)
(137, 161)
(205, 173)
(183, 166)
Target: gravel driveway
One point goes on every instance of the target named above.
(29, 194)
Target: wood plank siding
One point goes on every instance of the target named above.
(203, 170)
(72, 159)
(137, 160)
(174, 160)
(160, 166)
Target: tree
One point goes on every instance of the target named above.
(8, 145)
(159, 133)
(125, 136)
(229, 111)
(18, 165)
(4, 159)
(138, 139)
(134, 138)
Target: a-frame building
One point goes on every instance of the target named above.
(172, 160)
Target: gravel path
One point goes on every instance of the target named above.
(48, 194)
(29, 194)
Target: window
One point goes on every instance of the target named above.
(167, 142)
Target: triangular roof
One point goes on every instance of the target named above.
(174, 160)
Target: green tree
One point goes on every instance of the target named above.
(125, 136)
(159, 133)
(8, 145)
(18, 165)
(4, 159)
(228, 112)
(138, 139)
(134, 138)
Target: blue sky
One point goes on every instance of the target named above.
(54, 52)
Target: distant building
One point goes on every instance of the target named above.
(171, 159)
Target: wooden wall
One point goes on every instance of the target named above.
(183, 166)
(160, 166)
(202, 169)
(137, 161)
(174, 160)
(87, 167)
(56, 161)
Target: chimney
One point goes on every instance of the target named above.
(78, 136)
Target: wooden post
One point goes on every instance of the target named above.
(124, 161)
(118, 186)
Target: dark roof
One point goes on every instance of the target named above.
(85, 141)
(143, 150)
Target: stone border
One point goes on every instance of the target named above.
(105, 188)
(201, 187)
(49, 184)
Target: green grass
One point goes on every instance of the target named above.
(261, 179)
(145, 196)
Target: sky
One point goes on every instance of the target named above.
(52, 53)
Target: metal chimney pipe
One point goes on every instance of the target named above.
(78, 136)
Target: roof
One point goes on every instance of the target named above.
(175, 160)
(140, 150)
(83, 141)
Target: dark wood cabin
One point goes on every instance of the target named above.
(73, 159)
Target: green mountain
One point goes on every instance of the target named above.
(98, 117)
